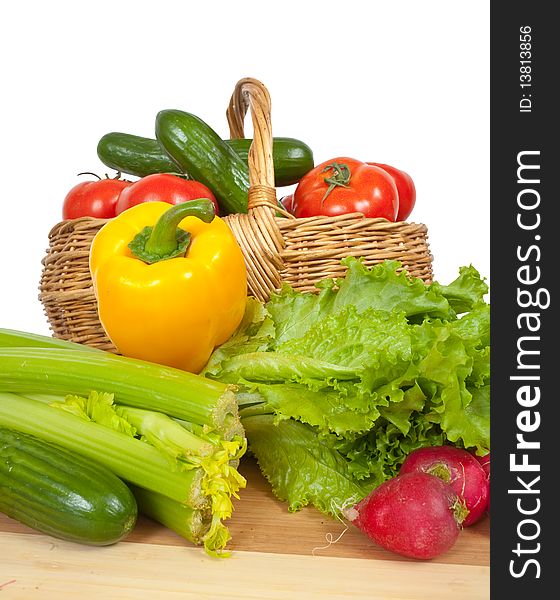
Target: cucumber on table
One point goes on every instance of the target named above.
(142, 156)
(62, 494)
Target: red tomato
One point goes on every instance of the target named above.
(405, 187)
(93, 199)
(288, 203)
(163, 187)
(346, 185)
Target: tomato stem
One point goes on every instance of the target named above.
(340, 177)
(90, 173)
(117, 176)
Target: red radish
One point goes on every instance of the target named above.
(416, 515)
(459, 469)
(485, 463)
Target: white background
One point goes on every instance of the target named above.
(403, 82)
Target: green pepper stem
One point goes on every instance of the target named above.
(166, 239)
(163, 239)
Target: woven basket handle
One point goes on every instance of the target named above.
(251, 94)
(257, 232)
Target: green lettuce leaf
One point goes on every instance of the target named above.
(376, 456)
(383, 287)
(466, 291)
(300, 467)
(273, 366)
(373, 340)
(254, 334)
(468, 425)
(326, 409)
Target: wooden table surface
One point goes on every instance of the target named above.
(275, 555)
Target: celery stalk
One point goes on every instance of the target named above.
(192, 502)
(190, 523)
(11, 338)
(164, 433)
(221, 479)
(194, 525)
(129, 458)
(44, 398)
(133, 382)
(182, 470)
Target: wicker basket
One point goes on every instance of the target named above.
(277, 248)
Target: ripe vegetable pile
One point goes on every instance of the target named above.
(337, 388)
(188, 160)
(200, 259)
(368, 399)
(341, 395)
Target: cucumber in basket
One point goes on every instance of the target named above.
(142, 156)
(62, 494)
(199, 151)
(134, 155)
(292, 158)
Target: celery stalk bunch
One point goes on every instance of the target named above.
(174, 437)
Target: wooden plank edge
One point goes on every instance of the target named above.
(54, 569)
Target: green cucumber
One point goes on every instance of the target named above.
(134, 155)
(199, 151)
(62, 494)
(292, 158)
(142, 156)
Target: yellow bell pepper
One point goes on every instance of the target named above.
(170, 282)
